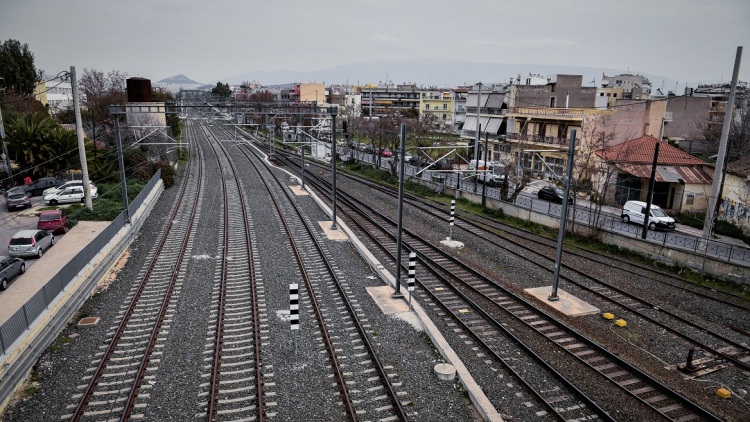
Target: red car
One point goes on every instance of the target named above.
(53, 221)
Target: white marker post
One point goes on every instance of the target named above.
(412, 272)
(294, 312)
(453, 213)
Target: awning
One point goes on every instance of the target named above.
(691, 175)
(470, 124)
(471, 100)
(494, 125)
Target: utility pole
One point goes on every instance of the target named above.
(720, 160)
(81, 145)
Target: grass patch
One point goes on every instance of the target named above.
(59, 344)
(105, 208)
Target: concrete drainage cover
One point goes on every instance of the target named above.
(89, 322)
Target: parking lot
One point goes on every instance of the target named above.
(14, 221)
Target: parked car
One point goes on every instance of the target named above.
(9, 268)
(38, 186)
(31, 243)
(384, 152)
(13, 189)
(53, 221)
(635, 211)
(553, 194)
(17, 198)
(71, 194)
(58, 189)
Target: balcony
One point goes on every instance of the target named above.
(549, 140)
(566, 113)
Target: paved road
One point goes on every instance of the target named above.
(14, 221)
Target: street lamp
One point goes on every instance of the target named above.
(333, 111)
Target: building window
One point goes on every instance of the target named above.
(609, 95)
(689, 199)
(552, 101)
(426, 106)
(601, 94)
(445, 106)
(614, 95)
(445, 117)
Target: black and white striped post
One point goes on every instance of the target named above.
(412, 272)
(294, 312)
(453, 213)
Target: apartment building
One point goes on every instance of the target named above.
(437, 105)
(486, 109)
(634, 87)
(384, 99)
(460, 95)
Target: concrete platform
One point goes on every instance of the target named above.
(383, 297)
(453, 244)
(298, 191)
(568, 304)
(66, 248)
(338, 234)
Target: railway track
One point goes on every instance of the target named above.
(114, 387)
(671, 405)
(716, 346)
(233, 390)
(364, 386)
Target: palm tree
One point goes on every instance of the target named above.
(27, 135)
(64, 145)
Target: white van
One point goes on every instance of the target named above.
(488, 172)
(634, 211)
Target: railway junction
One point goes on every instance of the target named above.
(197, 322)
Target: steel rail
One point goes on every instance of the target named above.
(401, 413)
(86, 396)
(254, 295)
(641, 374)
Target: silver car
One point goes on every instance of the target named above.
(9, 268)
(31, 243)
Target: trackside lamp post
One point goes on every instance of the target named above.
(332, 111)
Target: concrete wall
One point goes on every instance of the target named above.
(688, 114)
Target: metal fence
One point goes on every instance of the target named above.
(19, 322)
(729, 252)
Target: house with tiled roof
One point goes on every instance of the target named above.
(682, 181)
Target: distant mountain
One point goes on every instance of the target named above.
(178, 79)
(178, 82)
(434, 72)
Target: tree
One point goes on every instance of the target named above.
(27, 135)
(99, 92)
(17, 67)
(222, 90)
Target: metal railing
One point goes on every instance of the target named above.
(729, 252)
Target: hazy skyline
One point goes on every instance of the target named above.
(685, 40)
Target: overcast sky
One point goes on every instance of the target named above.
(685, 40)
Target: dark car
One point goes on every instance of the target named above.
(553, 194)
(17, 198)
(9, 268)
(53, 221)
(37, 187)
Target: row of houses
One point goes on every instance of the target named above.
(531, 121)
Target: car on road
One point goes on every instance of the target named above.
(16, 199)
(53, 221)
(69, 195)
(385, 152)
(58, 189)
(38, 186)
(10, 268)
(30, 243)
(553, 194)
(635, 211)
